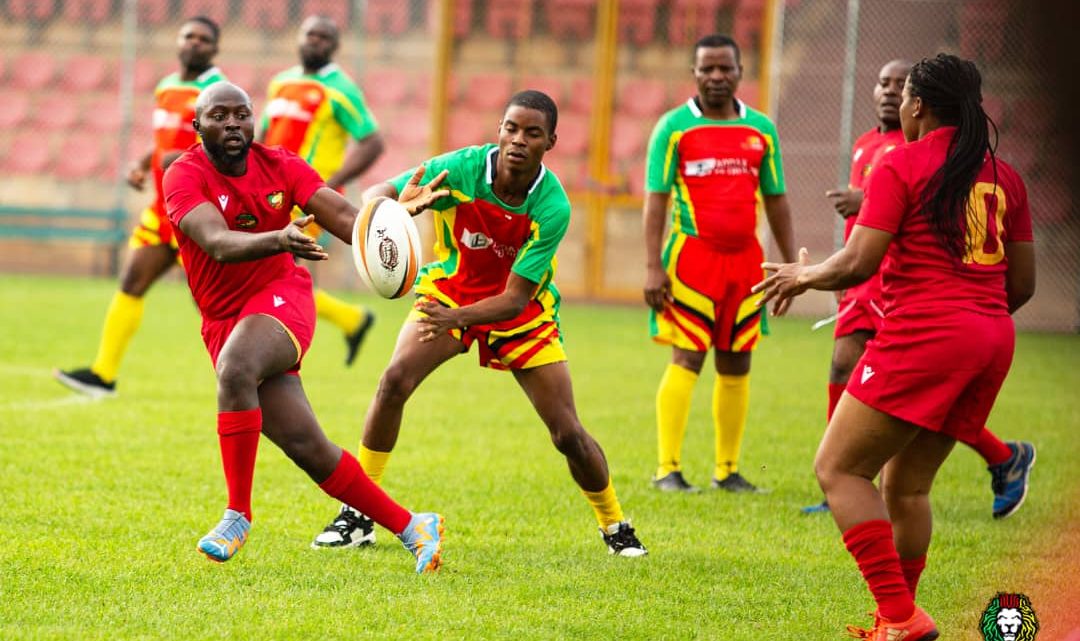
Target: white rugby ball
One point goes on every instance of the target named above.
(386, 247)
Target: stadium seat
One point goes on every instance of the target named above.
(87, 12)
(32, 70)
(246, 76)
(56, 111)
(14, 109)
(628, 136)
(637, 21)
(570, 19)
(152, 13)
(408, 128)
(634, 178)
(550, 85)
(386, 88)
(983, 25)
(216, 10)
(642, 97)
(581, 94)
(31, 10)
(79, 156)
(466, 128)
(509, 19)
(386, 18)
(85, 72)
(692, 19)
(747, 23)
(147, 74)
(265, 15)
(463, 15)
(103, 115)
(486, 92)
(573, 131)
(336, 10)
(571, 171)
(29, 154)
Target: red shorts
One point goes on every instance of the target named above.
(940, 371)
(860, 309)
(288, 300)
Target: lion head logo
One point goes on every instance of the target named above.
(1009, 617)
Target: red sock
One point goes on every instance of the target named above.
(993, 450)
(238, 438)
(835, 391)
(912, 571)
(871, 543)
(351, 486)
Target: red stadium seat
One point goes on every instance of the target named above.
(56, 111)
(14, 109)
(465, 128)
(628, 136)
(573, 131)
(572, 19)
(152, 13)
(29, 154)
(634, 178)
(147, 75)
(550, 85)
(92, 12)
(79, 156)
(86, 73)
(642, 97)
(509, 19)
(692, 19)
(409, 128)
(103, 115)
(33, 70)
(746, 26)
(487, 91)
(581, 94)
(571, 171)
(216, 10)
(386, 88)
(463, 13)
(31, 10)
(637, 21)
(336, 10)
(246, 76)
(386, 17)
(265, 15)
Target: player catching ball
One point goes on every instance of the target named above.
(955, 225)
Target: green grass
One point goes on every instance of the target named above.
(103, 501)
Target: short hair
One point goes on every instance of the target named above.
(209, 23)
(718, 40)
(538, 100)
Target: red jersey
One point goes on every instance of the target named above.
(917, 270)
(261, 200)
(867, 150)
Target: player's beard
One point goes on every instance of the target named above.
(220, 156)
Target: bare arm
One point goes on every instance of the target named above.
(846, 202)
(1020, 274)
(138, 170)
(778, 212)
(333, 213)
(207, 228)
(857, 261)
(361, 155)
(511, 302)
(654, 216)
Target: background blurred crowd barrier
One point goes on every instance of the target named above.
(77, 77)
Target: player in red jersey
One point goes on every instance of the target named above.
(859, 311)
(230, 200)
(950, 227)
(153, 249)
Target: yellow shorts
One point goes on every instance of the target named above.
(153, 229)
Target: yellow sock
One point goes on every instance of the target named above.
(606, 506)
(122, 320)
(373, 463)
(347, 317)
(672, 410)
(731, 399)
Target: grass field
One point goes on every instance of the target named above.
(103, 501)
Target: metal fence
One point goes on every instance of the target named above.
(76, 82)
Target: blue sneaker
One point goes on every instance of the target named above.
(1009, 480)
(227, 537)
(423, 537)
(816, 508)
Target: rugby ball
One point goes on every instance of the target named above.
(386, 247)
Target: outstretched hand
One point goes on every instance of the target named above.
(296, 242)
(437, 320)
(785, 283)
(415, 197)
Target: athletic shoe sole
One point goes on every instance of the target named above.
(93, 391)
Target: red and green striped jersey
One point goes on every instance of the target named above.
(715, 171)
(314, 115)
(480, 240)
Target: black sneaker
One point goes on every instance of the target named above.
(735, 483)
(350, 529)
(621, 540)
(353, 341)
(86, 382)
(674, 482)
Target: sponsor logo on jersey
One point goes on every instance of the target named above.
(165, 119)
(278, 301)
(223, 200)
(753, 143)
(275, 199)
(285, 108)
(246, 221)
(705, 167)
(1009, 617)
(479, 240)
(867, 373)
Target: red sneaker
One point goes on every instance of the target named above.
(918, 627)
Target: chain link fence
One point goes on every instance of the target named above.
(77, 79)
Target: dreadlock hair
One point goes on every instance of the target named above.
(952, 88)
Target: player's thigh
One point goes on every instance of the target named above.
(847, 350)
(144, 265)
(551, 393)
(860, 439)
(259, 346)
(413, 360)
(913, 468)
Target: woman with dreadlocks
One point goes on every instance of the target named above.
(949, 225)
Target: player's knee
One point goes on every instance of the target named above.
(235, 377)
(840, 371)
(396, 385)
(571, 440)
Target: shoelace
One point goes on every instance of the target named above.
(624, 538)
